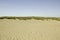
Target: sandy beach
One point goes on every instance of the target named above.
(11, 29)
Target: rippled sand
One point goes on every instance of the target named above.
(11, 29)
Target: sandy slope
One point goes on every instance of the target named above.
(29, 29)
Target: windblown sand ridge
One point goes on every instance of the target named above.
(11, 29)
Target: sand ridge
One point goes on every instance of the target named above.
(29, 29)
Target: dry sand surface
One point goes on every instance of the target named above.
(11, 29)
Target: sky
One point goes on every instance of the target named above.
(49, 8)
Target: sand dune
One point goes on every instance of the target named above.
(29, 29)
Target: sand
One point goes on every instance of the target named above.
(11, 29)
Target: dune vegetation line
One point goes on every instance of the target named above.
(32, 17)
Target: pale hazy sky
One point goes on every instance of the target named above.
(30, 8)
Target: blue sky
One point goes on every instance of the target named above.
(30, 8)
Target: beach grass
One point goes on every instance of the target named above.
(29, 18)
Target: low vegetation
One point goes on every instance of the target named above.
(29, 18)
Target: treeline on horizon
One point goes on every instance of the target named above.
(29, 18)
